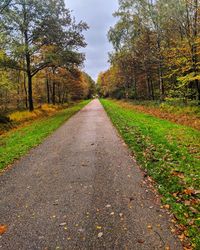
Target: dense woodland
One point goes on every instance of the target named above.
(40, 60)
(156, 51)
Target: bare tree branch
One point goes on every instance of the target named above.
(4, 5)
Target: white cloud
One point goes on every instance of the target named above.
(98, 15)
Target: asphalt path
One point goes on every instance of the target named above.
(81, 189)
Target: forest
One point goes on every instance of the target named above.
(156, 51)
(40, 58)
(112, 164)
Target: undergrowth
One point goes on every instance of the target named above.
(188, 115)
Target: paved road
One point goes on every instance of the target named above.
(81, 189)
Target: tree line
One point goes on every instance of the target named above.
(40, 58)
(156, 50)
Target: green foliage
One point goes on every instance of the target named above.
(40, 34)
(164, 150)
(18, 142)
(172, 105)
(156, 49)
(185, 80)
(4, 5)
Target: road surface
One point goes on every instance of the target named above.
(81, 189)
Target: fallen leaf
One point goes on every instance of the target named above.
(141, 241)
(175, 194)
(3, 229)
(187, 248)
(167, 206)
(194, 210)
(191, 222)
(55, 203)
(189, 191)
(149, 227)
(197, 191)
(100, 235)
(63, 224)
(187, 203)
(181, 237)
(178, 174)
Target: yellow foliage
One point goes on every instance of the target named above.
(20, 116)
(49, 108)
(44, 110)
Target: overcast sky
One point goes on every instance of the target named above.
(98, 15)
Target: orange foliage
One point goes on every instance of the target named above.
(3, 229)
(183, 119)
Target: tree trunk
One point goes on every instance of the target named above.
(194, 48)
(29, 76)
(135, 84)
(59, 94)
(25, 90)
(160, 70)
(53, 97)
(148, 87)
(28, 61)
(30, 93)
(54, 93)
(48, 92)
(198, 90)
(152, 90)
(63, 96)
(161, 85)
(18, 89)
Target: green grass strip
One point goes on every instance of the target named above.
(17, 143)
(170, 153)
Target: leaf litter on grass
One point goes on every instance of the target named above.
(169, 153)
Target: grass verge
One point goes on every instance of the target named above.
(183, 115)
(17, 143)
(170, 153)
(21, 118)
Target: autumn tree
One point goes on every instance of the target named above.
(30, 25)
(160, 41)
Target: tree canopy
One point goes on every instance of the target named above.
(39, 36)
(156, 50)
